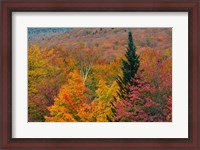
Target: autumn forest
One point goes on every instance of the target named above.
(99, 74)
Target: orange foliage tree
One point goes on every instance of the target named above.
(70, 104)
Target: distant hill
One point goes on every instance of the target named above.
(37, 33)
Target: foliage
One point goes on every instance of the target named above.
(45, 76)
(102, 107)
(36, 74)
(139, 106)
(70, 103)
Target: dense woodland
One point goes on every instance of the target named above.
(100, 75)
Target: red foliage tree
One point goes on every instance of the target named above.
(139, 106)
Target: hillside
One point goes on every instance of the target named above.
(110, 41)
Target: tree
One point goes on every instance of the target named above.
(36, 74)
(157, 66)
(129, 68)
(46, 74)
(36, 69)
(85, 58)
(101, 107)
(70, 105)
(138, 105)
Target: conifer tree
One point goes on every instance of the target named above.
(129, 68)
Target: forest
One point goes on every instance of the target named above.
(99, 74)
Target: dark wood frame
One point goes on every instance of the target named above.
(9, 6)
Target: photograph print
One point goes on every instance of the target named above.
(99, 74)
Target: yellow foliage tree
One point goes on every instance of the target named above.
(102, 106)
(36, 69)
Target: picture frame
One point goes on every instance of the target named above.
(10, 6)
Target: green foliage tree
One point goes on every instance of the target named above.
(129, 68)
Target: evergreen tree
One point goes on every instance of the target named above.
(129, 68)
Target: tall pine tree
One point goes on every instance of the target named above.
(129, 68)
